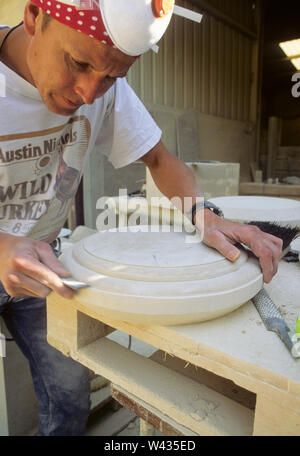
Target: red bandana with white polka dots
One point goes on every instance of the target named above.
(88, 21)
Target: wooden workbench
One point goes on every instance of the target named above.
(236, 348)
(271, 190)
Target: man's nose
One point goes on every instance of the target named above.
(90, 88)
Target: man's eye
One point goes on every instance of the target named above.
(80, 65)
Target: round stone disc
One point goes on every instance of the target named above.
(146, 276)
(260, 208)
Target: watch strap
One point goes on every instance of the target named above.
(205, 205)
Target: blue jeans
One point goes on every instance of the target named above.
(61, 385)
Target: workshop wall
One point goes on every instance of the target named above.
(212, 69)
(202, 90)
(206, 67)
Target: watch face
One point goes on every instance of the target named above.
(215, 209)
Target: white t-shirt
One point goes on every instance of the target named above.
(42, 155)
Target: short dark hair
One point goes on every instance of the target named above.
(46, 20)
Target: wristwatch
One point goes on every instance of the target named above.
(205, 205)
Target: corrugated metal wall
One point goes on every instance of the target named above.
(239, 10)
(206, 66)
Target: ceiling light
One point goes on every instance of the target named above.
(292, 51)
(296, 63)
(291, 48)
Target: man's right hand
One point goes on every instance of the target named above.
(30, 268)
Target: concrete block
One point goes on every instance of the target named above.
(227, 140)
(101, 179)
(167, 120)
(188, 136)
(215, 179)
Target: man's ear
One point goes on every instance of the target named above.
(32, 17)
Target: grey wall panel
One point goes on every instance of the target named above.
(203, 71)
(206, 67)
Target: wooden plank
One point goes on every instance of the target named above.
(274, 419)
(199, 345)
(191, 344)
(149, 414)
(220, 384)
(271, 417)
(68, 328)
(258, 361)
(252, 188)
(202, 410)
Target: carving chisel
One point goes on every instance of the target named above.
(74, 284)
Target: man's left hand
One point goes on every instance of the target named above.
(223, 234)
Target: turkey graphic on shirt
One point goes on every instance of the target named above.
(66, 183)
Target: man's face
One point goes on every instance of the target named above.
(71, 69)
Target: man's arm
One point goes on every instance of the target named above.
(175, 179)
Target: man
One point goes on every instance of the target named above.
(66, 92)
